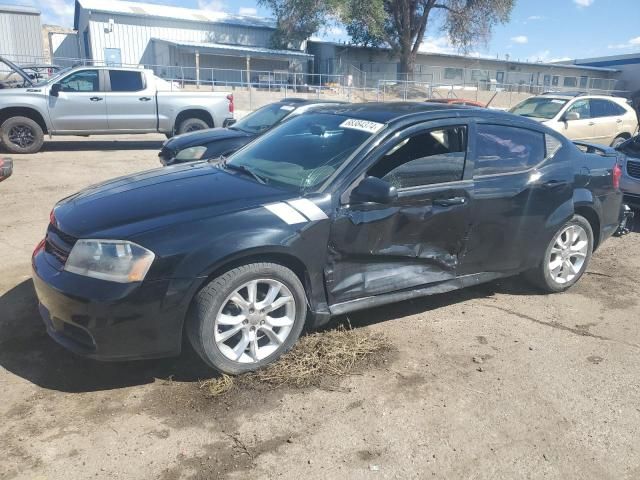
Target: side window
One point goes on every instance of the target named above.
(582, 108)
(606, 108)
(126, 81)
(426, 158)
(83, 81)
(502, 149)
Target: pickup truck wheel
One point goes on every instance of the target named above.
(247, 317)
(191, 125)
(21, 135)
(566, 257)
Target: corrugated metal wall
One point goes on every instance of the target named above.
(132, 35)
(20, 36)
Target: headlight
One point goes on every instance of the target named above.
(112, 260)
(191, 153)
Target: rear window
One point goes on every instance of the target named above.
(126, 81)
(501, 149)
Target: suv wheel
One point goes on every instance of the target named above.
(247, 317)
(618, 141)
(21, 135)
(566, 257)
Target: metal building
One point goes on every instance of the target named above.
(180, 39)
(20, 33)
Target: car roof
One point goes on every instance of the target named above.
(299, 102)
(388, 111)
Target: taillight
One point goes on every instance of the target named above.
(231, 105)
(617, 173)
(52, 217)
(39, 247)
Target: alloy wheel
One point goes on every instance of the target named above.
(568, 254)
(255, 320)
(22, 136)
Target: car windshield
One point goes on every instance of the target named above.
(539, 107)
(54, 78)
(303, 152)
(264, 118)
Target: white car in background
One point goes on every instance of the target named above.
(601, 119)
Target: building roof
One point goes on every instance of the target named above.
(478, 59)
(19, 9)
(139, 9)
(609, 61)
(237, 50)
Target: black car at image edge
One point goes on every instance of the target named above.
(215, 142)
(339, 209)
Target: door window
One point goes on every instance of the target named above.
(426, 158)
(582, 108)
(125, 81)
(605, 108)
(501, 149)
(82, 81)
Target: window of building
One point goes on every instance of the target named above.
(597, 83)
(570, 82)
(502, 149)
(126, 81)
(555, 80)
(547, 80)
(82, 81)
(453, 73)
(584, 82)
(479, 75)
(426, 158)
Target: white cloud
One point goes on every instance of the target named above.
(632, 43)
(534, 18)
(56, 12)
(437, 45)
(544, 56)
(248, 11)
(583, 3)
(522, 39)
(212, 5)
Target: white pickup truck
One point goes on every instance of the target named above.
(103, 100)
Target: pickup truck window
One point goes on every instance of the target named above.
(126, 81)
(501, 149)
(427, 158)
(82, 81)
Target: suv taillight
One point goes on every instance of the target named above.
(617, 173)
(231, 105)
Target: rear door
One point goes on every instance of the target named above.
(131, 103)
(608, 118)
(80, 105)
(420, 237)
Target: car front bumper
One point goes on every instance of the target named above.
(106, 320)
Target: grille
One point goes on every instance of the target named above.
(59, 244)
(633, 169)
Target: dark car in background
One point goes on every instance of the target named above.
(342, 208)
(6, 168)
(216, 142)
(630, 181)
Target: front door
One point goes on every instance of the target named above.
(131, 103)
(420, 237)
(80, 105)
(582, 128)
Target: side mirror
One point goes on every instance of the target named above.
(55, 89)
(374, 190)
(571, 116)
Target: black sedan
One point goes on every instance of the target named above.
(216, 142)
(339, 209)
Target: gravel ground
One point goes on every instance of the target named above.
(492, 382)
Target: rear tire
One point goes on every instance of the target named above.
(618, 141)
(237, 331)
(566, 258)
(192, 125)
(21, 135)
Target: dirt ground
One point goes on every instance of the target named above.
(554, 391)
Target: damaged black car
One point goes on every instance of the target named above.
(342, 208)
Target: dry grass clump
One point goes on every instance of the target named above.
(312, 361)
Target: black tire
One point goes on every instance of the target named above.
(191, 125)
(541, 276)
(21, 135)
(619, 140)
(210, 300)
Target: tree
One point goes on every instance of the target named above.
(399, 24)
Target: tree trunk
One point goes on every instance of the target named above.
(407, 62)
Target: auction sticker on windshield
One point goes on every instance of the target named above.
(364, 125)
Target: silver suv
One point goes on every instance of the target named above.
(598, 119)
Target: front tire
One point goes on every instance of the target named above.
(191, 125)
(566, 257)
(21, 135)
(247, 317)
(618, 141)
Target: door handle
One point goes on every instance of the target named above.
(619, 120)
(591, 124)
(144, 99)
(95, 99)
(449, 202)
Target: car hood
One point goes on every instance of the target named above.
(202, 137)
(128, 206)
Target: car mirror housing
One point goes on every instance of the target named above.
(571, 116)
(55, 89)
(374, 190)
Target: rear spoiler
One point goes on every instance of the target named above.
(601, 150)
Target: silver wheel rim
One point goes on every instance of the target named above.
(255, 320)
(568, 254)
(21, 135)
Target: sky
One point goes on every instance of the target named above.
(539, 30)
